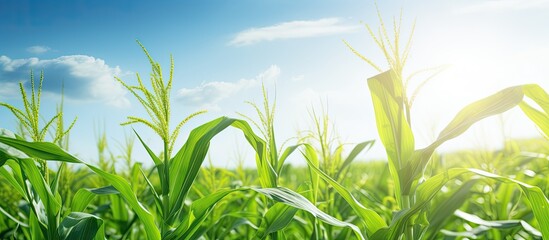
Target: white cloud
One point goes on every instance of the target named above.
(38, 49)
(209, 94)
(83, 77)
(9, 89)
(298, 78)
(293, 29)
(504, 5)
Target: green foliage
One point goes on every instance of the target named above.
(415, 194)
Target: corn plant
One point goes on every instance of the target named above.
(416, 194)
(276, 159)
(29, 117)
(329, 154)
(46, 218)
(177, 173)
(413, 190)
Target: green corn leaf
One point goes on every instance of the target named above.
(472, 234)
(36, 228)
(53, 152)
(393, 128)
(276, 218)
(13, 181)
(5, 213)
(425, 193)
(267, 173)
(371, 219)
(4, 157)
(153, 156)
(539, 96)
(38, 183)
(119, 209)
(447, 207)
(472, 113)
(312, 157)
(41, 150)
(489, 106)
(200, 209)
(127, 193)
(7, 152)
(84, 196)
(186, 164)
(428, 189)
(536, 197)
(295, 200)
(538, 117)
(287, 152)
(54, 185)
(501, 224)
(363, 146)
(81, 226)
(161, 168)
(157, 199)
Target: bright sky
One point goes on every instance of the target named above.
(224, 49)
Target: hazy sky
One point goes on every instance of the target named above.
(223, 50)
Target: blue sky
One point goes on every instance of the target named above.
(223, 50)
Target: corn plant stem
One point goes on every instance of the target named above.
(127, 231)
(29, 197)
(52, 220)
(409, 230)
(316, 229)
(166, 192)
(329, 208)
(45, 169)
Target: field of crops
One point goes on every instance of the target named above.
(416, 193)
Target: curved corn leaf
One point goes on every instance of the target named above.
(312, 157)
(200, 209)
(363, 146)
(7, 152)
(287, 152)
(276, 218)
(539, 96)
(157, 199)
(295, 200)
(472, 234)
(3, 158)
(425, 193)
(84, 196)
(428, 189)
(397, 137)
(447, 207)
(393, 128)
(371, 219)
(51, 203)
(81, 226)
(501, 224)
(53, 152)
(472, 113)
(536, 197)
(11, 179)
(41, 150)
(12, 218)
(186, 163)
(153, 156)
(127, 193)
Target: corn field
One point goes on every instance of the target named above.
(417, 193)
